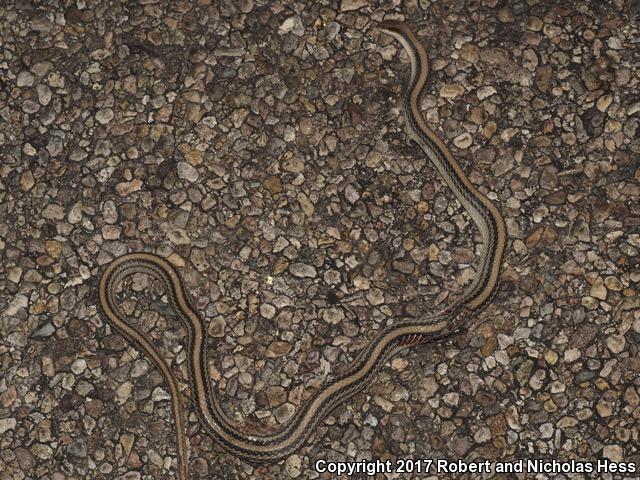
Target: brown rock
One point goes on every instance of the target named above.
(125, 188)
(277, 349)
(27, 181)
(543, 78)
(534, 24)
(273, 184)
(590, 80)
(489, 346)
(534, 238)
(505, 15)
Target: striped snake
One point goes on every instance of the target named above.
(259, 446)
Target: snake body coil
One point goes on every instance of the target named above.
(260, 447)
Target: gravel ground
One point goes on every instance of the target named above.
(260, 147)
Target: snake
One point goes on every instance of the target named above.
(268, 445)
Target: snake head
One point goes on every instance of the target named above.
(391, 26)
(398, 30)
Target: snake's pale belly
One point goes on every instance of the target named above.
(260, 447)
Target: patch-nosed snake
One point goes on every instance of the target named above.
(261, 447)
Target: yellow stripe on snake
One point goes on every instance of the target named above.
(260, 447)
